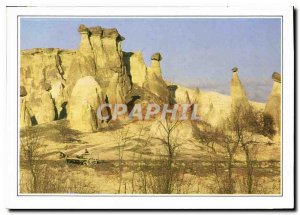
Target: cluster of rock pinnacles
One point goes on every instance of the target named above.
(57, 83)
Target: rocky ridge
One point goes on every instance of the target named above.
(57, 83)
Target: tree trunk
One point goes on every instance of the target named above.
(229, 179)
(249, 171)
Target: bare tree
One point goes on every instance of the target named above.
(171, 144)
(142, 141)
(246, 125)
(31, 150)
(123, 139)
(219, 146)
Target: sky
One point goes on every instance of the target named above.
(197, 52)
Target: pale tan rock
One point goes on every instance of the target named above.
(25, 118)
(154, 81)
(99, 55)
(237, 92)
(110, 71)
(213, 107)
(83, 118)
(214, 116)
(58, 96)
(85, 99)
(39, 67)
(112, 45)
(98, 49)
(115, 90)
(136, 66)
(42, 107)
(46, 86)
(85, 46)
(273, 106)
(155, 64)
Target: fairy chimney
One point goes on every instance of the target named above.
(237, 92)
(273, 106)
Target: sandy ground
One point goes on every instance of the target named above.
(143, 140)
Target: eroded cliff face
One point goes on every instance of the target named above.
(99, 55)
(148, 79)
(48, 75)
(135, 64)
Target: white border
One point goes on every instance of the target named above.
(136, 201)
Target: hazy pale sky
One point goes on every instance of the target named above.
(196, 51)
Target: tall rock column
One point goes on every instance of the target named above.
(154, 81)
(85, 44)
(273, 106)
(97, 46)
(110, 66)
(136, 67)
(237, 92)
(111, 41)
(83, 63)
(155, 64)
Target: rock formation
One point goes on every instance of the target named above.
(85, 46)
(155, 64)
(149, 79)
(154, 81)
(85, 99)
(71, 84)
(237, 91)
(59, 98)
(273, 106)
(134, 61)
(42, 107)
(25, 119)
(56, 71)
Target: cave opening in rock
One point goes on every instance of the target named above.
(63, 113)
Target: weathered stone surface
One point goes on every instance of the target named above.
(237, 92)
(117, 74)
(157, 56)
(154, 81)
(38, 67)
(85, 45)
(59, 97)
(135, 64)
(273, 106)
(46, 86)
(155, 65)
(115, 91)
(83, 29)
(23, 91)
(276, 77)
(112, 33)
(25, 119)
(213, 116)
(85, 99)
(42, 107)
(97, 31)
(99, 55)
